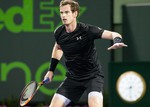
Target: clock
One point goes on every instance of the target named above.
(131, 86)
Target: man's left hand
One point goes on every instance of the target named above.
(117, 45)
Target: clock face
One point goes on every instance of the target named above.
(131, 86)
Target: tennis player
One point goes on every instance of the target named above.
(75, 40)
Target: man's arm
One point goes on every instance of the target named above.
(57, 52)
(56, 56)
(116, 37)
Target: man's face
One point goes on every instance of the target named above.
(66, 15)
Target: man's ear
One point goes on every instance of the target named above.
(75, 13)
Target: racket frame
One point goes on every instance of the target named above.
(38, 85)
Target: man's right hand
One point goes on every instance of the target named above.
(49, 75)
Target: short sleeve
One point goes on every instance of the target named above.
(57, 32)
(95, 32)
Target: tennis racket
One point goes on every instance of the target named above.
(29, 91)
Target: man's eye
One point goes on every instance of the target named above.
(66, 12)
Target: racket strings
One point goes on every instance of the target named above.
(28, 92)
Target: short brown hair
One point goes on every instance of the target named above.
(73, 4)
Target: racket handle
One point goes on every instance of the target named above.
(46, 80)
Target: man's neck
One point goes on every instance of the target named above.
(71, 27)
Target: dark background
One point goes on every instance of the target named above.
(29, 42)
(26, 41)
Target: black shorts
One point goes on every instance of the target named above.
(73, 89)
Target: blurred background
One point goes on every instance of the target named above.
(26, 41)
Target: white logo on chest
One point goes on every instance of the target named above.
(79, 38)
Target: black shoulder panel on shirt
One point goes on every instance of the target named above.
(57, 31)
(83, 26)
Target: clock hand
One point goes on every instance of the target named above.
(130, 91)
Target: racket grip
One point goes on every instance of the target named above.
(46, 80)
